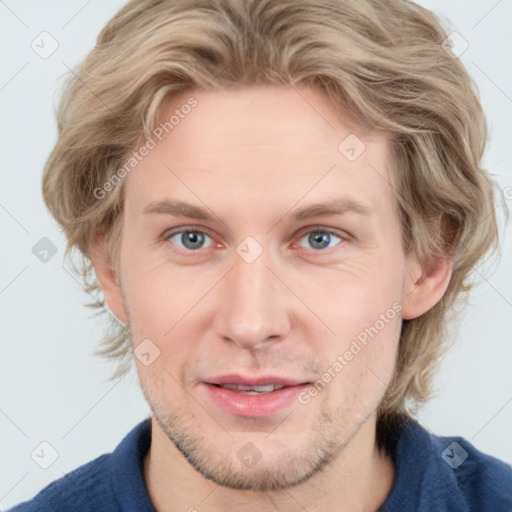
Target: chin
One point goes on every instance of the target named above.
(254, 462)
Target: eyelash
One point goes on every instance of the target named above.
(315, 229)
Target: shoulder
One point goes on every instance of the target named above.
(108, 483)
(447, 473)
(85, 487)
(484, 481)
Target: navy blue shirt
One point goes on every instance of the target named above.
(433, 473)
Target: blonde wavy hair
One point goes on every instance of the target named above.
(385, 60)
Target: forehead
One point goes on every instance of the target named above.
(261, 117)
(265, 145)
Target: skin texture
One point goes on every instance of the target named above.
(252, 157)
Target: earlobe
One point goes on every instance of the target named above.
(426, 283)
(107, 275)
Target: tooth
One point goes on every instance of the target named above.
(264, 389)
(241, 387)
(268, 388)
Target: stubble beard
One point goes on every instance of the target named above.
(281, 469)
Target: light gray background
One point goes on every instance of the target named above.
(55, 390)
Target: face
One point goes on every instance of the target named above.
(284, 268)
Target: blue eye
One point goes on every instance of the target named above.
(193, 240)
(320, 239)
(190, 239)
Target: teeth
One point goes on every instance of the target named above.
(252, 390)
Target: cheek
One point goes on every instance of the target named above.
(363, 308)
(155, 296)
(364, 367)
(165, 307)
(353, 299)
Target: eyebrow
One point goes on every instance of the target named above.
(336, 206)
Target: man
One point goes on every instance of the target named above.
(280, 202)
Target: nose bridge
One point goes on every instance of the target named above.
(252, 310)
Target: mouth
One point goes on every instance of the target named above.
(254, 397)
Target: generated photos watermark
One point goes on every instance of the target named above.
(356, 346)
(137, 156)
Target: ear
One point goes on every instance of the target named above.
(426, 283)
(106, 275)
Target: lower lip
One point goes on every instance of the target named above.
(254, 406)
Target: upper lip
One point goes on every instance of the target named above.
(262, 380)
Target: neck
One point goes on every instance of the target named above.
(359, 479)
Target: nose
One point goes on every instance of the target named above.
(253, 311)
